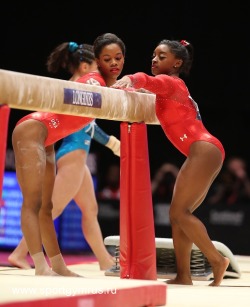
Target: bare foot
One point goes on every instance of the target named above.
(180, 281)
(219, 270)
(19, 262)
(66, 272)
(46, 272)
(107, 264)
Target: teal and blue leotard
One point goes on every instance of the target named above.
(82, 139)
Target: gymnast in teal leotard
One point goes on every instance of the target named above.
(82, 140)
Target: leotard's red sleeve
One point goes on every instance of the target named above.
(157, 84)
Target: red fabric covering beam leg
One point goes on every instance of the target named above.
(137, 235)
(4, 122)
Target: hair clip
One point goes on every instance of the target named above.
(73, 46)
(184, 43)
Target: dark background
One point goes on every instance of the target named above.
(219, 80)
(219, 31)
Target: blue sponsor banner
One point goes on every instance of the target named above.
(10, 212)
(82, 98)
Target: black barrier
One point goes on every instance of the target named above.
(229, 225)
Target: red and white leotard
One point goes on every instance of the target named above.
(61, 125)
(93, 78)
(177, 112)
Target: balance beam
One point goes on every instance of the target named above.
(37, 93)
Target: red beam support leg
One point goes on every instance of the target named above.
(137, 234)
(4, 121)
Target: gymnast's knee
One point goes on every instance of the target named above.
(176, 215)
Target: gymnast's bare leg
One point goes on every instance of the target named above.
(35, 169)
(192, 183)
(74, 181)
(86, 201)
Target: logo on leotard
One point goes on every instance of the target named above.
(184, 137)
(82, 98)
(54, 123)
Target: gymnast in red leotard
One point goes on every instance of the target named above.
(57, 125)
(33, 141)
(100, 65)
(180, 119)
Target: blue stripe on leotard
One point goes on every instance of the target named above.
(97, 133)
(74, 141)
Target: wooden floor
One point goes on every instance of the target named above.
(22, 288)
